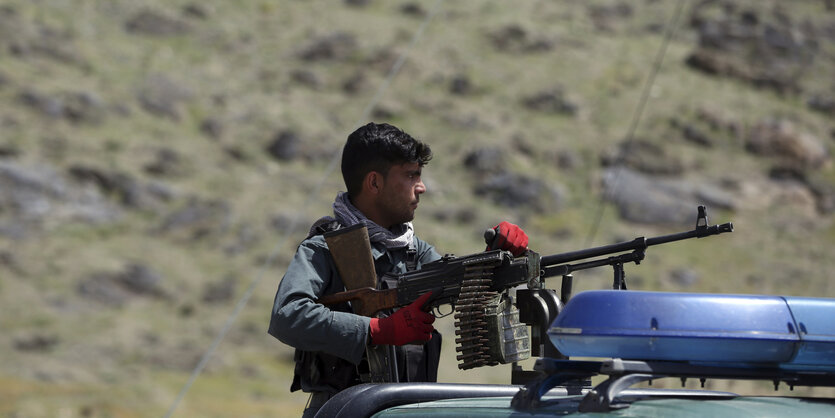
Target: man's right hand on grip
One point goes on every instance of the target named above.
(407, 325)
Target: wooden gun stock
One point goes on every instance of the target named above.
(351, 252)
(366, 301)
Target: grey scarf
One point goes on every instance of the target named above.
(347, 215)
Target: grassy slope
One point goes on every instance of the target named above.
(132, 361)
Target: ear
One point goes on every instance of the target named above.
(373, 182)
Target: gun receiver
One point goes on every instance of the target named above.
(477, 286)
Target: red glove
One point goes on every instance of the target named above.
(408, 324)
(509, 237)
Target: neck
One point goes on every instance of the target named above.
(369, 209)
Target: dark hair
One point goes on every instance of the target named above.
(377, 147)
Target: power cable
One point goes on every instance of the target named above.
(295, 221)
(670, 30)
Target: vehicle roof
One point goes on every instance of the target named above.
(738, 407)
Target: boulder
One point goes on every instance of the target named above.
(514, 38)
(782, 140)
(197, 219)
(25, 38)
(167, 163)
(644, 156)
(766, 51)
(285, 146)
(457, 216)
(76, 107)
(46, 105)
(306, 77)
(782, 192)
(413, 9)
(332, 47)
(212, 127)
(604, 17)
(460, 85)
(823, 103)
(161, 95)
(129, 191)
(696, 136)
(650, 200)
(551, 101)
(197, 11)
(154, 23)
(37, 196)
(117, 288)
(520, 191)
(821, 190)
(683, 277)
(9, 151)
(36, 342)
(485, 160)
(355, 83)
(220, 292)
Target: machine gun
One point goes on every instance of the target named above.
(490, 325)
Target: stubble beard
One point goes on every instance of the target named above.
(402, 214)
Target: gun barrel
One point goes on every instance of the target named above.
(638, 244)
(550, 260)
(699, 232)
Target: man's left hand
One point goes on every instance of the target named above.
(509, 237)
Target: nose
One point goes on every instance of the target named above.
(420, 188)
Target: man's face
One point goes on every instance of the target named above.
(401, 192)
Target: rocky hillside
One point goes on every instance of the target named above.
(159, 160)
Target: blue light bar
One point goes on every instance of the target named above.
(796, 333)
(816, 327)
